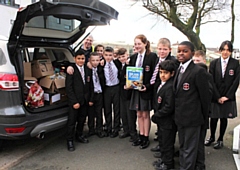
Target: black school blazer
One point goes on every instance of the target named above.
(228, 85)
(163, 104)
(192, 97)
(77, 91)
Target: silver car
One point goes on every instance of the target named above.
(41, 29)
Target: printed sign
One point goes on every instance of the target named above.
(134, 77)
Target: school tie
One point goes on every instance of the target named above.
(154, 76)
(159, 87)
(224, 67)
(110, 71)
(140, 61)
(180, 73)
(95, 74)
(82, 74)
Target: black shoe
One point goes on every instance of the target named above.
(155, 138)
(70, 145)
(157, 155)
(101, 134)
(90, 133)
(137, 142)
(124, 135)
(162, 167)
(144, 144)
(157, 162)
(82, 139)
(114, 134)
(107, 133)
(218, 145)
(133, 138)
(209, 141)
(156, 149)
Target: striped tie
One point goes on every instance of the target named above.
(111, 76)
(153, 79)
(224, 67)
(95, 74)
(140, 61)
(82, 74)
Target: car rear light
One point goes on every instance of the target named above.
(15, 130)
(8, 81)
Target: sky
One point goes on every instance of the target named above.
(134, 20)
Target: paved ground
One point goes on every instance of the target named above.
(106, 153)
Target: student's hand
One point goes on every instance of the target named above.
(89, 65)
(90, 103)
(70, 70)
(223, 99)
(76, 106)
(102, 62)
(220, 101)
(143, 88)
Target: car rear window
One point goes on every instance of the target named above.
(53, 23)
(3, 60)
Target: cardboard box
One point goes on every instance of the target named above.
(28, 72)
(51, 85)
(41, 68)
(51, 98)
(134, 77)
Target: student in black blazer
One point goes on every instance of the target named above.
(225, 72)
(163, 104)
(128, 116)
(79, 89)
(164, 53)
(191, 104)
(95, 111)
(111, 92)
(141, 99)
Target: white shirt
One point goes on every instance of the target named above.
(185, 65)
(115, 73)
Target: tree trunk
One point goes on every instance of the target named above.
(233, 21)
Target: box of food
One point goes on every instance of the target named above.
(52, 83)
(41, 68)
(134, 77)
(51, 98)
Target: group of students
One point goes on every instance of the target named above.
(181, 92)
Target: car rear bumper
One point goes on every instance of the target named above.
(34, 124)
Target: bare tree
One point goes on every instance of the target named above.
(188, 15)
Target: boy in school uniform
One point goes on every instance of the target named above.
(111, 92)
(128, 117)
(191, 104)
(163, 104)
(95, 111)
(164, 53)
(79, 89)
